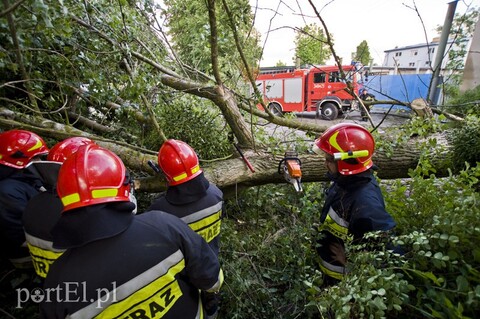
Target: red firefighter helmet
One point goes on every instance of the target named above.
(351, 145)
(92, 175)
(63, 149)
(178, 161)
(18, 147)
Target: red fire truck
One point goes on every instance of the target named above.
(318, 88)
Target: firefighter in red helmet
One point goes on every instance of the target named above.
(122, 265)
(18, 184)
(192, 198)
(44, 209)
(354, 204)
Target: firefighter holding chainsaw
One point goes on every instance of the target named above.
(118, 264)
(354, 204)
(192, 198)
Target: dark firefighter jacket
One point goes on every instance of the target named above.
(17, 187)
(40, 215)
(353, 207)
(120, 265)
(199, 204)
(367, 97)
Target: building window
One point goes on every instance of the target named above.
(427, 62)
(431, 50)
(411, 64)
(398, 53)
(415, 52)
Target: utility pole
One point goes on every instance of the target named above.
(441, 49)
(471, 73)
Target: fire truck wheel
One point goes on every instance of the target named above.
(329, 111)
(275, 109)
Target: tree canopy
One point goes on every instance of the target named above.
(363, 53)
(311, 46)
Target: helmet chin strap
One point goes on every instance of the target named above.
(333, 176)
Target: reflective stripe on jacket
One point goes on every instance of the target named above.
(204, 215)
(336, 225)
(153, 292)
(153, 269)
(42, 253)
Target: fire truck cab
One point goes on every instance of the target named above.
(318, 88)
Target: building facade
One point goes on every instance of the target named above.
(417, 59)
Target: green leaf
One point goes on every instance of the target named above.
(462, 284)
(438, 255)
(453, 239)
(426, 275)
(378, 302)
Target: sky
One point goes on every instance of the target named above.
(384, 24)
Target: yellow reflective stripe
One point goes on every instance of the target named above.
(135, 292)
(37, 145)
(336, 225)
(41, 243)
(206, 221)
(338, 231)
(180, 177)
(70, 199)
(192, 218)
(333, 271)
(200, 311)
(210, 232)
(106, 192)
(153, 301)
(333, 141)
(339, 220)
(195, 169)
(184, 175)
(44, 253)
(42, 259)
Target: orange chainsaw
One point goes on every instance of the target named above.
(291, 168)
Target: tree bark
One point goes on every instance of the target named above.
(231, 173)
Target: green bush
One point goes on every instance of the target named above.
(266, 253)
(465, 140)
(465, 103)
(438, 222)
(270, 266)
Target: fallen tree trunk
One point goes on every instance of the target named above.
(228, 174)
